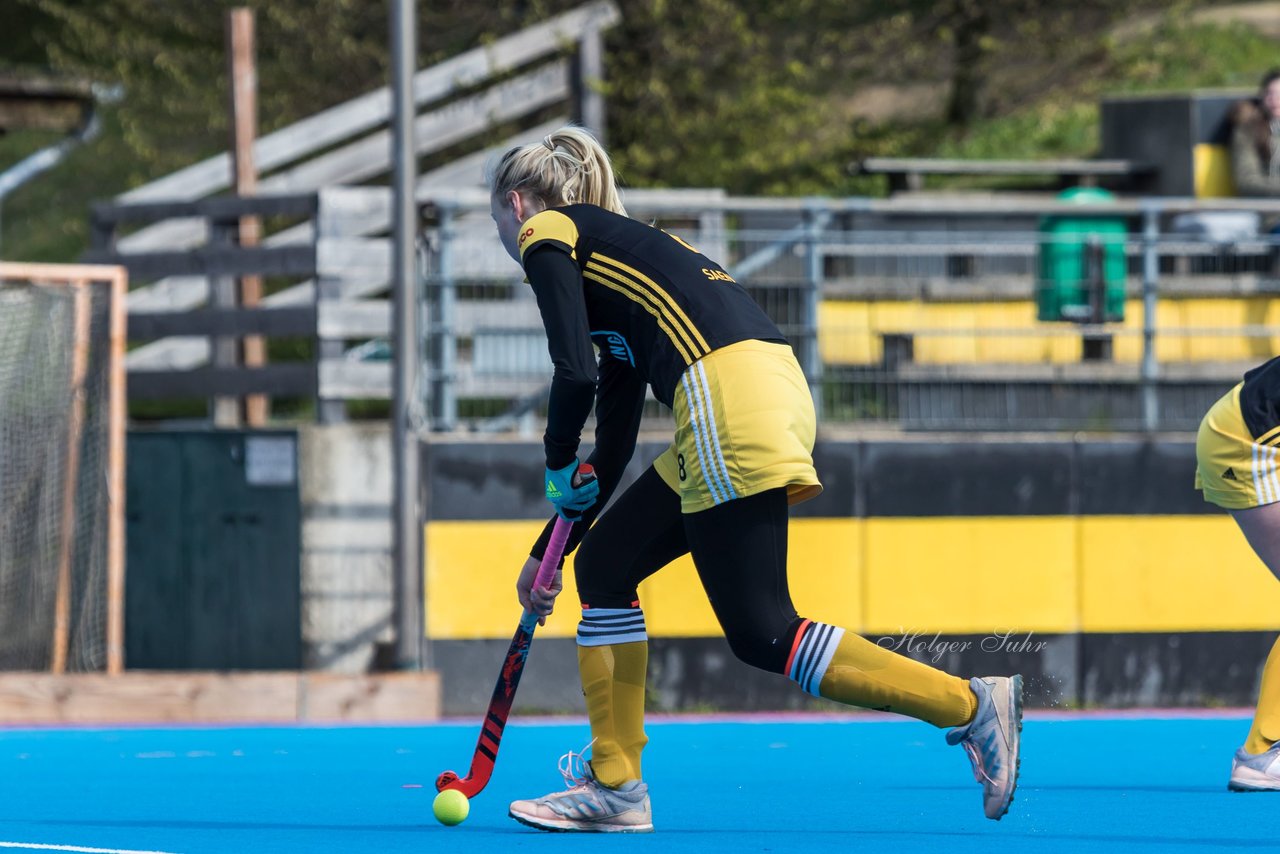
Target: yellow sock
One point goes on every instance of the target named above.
(830, 662)
(613, 681)
(1266, 721)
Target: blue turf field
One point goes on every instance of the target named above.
(1089, 784)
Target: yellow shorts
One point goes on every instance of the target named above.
(744, 424)
(1234, 470)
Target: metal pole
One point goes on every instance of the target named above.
(406, 552)
(446, 340)
(243, 74)
(588, 81)
(815, 221)
(1150, 285)
(442, 342)
(225, 348)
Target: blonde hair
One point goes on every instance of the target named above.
(568, 167)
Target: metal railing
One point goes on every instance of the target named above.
(903, 314)
(923, 314)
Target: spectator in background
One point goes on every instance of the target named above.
(1255, 125)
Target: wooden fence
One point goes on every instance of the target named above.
(548, 73)
(331, 282)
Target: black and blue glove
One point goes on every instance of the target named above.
(571, 490)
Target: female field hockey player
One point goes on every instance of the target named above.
(1238, 470)
(666, 317)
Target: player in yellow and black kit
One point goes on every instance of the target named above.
(1238, 469)
(665, 317)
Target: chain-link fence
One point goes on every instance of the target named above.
(928, 315)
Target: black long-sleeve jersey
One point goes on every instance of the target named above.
(1260, 398)
(649, 301)
(651, 304)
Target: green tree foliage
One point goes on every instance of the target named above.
(1169, 54)
(171, 59)
(751, 95)
(737, 93)
(26, 29)
(718, 93)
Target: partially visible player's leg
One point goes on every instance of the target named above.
(1256, 765)
(740, 549)
(1240, 474)
(637, 536)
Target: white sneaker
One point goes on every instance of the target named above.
(1255, 772)
(992, 740)
(588, 805)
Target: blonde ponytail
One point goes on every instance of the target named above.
(568, 167)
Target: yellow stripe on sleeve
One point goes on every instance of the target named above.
(548, 225)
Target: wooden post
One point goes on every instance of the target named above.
(80, 277)
(75, 427)
(116, 417)
(244, 129)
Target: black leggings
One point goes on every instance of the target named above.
(739, 549)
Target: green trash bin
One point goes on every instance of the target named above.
(1082, 263)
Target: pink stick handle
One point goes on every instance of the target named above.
(551, 557)
(559, 536)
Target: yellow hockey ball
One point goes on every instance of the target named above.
(451, 807)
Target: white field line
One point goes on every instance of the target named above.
(36, 846)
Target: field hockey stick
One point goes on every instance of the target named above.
(504, 692)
